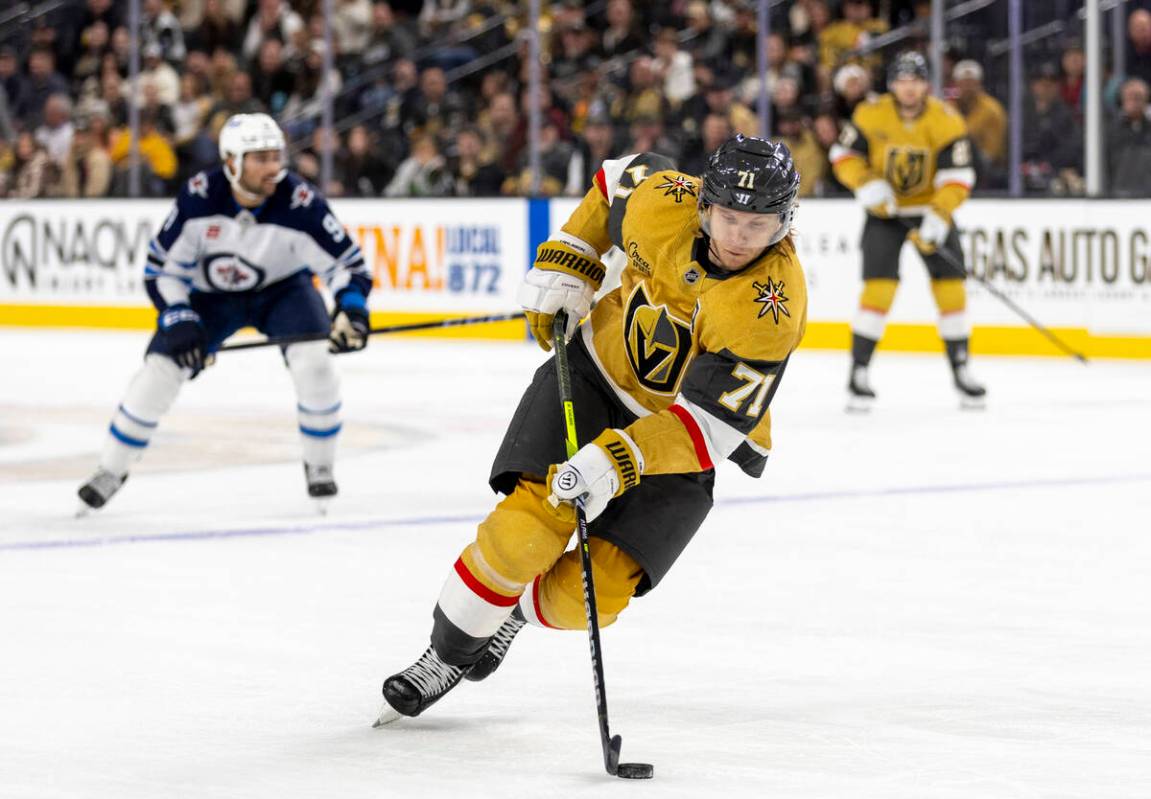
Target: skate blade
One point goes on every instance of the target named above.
(83, 510)
(860, 404)
(322, 506)
(387, 715)
(973, 403)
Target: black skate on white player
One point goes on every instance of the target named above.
(321, 481)
(420, 685)
(498, 647)
(971, 393)
(100, 488)
(860, 394)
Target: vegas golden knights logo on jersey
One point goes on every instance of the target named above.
(658, 344)
(907, 169)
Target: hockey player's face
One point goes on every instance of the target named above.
(910, 92)
(260, 171)
(737, 237)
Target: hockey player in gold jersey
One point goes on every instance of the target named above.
(672, 373)
(908, 159)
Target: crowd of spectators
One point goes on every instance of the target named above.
(431, 96)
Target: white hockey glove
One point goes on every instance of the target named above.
(877, 197)
(562, 279)
(600, 471)
(932, 232)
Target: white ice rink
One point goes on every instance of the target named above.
(923, 602)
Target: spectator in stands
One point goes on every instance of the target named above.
(498, 124)
(839, 39)
(437, 109)
(642, 96)
(647, 135)
(87, 170)
(673, 67)
(389, 38)
(810, 159)
(472, 176)
(706, 41)
(351, 29)
(555, 158)
(272, 80)
(1139, 45)
(986, 124)
(13, 83)
(1071, 86)
(159, 74)
(95, 40)
(1129, 143)
(55, 133)
(852, 85)
(826, 128)
(112, 95)
(32, 171)
(194, 147)
(720, 99)
(273, 18)
(439, 17)
(592, 147)
(159, 157)
(238, 99)
(714, 131)
(43, 81)
(361, 167)
(160, 27)
(424, 173)
(622, 34)
(217, 29)
(7, 127)
(1052, 141)
(104, 11)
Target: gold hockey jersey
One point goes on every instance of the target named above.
(697, 353)
(927, 160)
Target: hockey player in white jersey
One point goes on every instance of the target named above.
(240, 248)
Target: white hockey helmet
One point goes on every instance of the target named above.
(247, 133)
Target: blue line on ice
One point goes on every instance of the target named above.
(468, 518)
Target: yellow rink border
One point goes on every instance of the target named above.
(145, 319)
(984, 340)
(898, 337)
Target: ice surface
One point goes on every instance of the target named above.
(923, 602)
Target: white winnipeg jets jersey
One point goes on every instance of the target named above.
(209, 243)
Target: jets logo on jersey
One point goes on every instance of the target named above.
(677, 187)
(658, 344)
(228, 272)
(302, 196)
(771, 298)
(198, 185)
(907, 169)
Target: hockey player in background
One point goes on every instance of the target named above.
(239, 248)
(672, 372)
(907, 157)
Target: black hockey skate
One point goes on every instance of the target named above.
(498, 647)
(971, 394)
(321, 481)
(421, 685)
(860, 396)
(99, 489)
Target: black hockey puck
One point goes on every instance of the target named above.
(635, 771)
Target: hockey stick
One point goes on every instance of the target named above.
(376, 331)
(611, 746)
(999, 295)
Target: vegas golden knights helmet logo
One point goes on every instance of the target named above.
(658, 344)
(907, 169)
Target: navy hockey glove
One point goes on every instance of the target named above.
(350, 322)
(185, 337)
